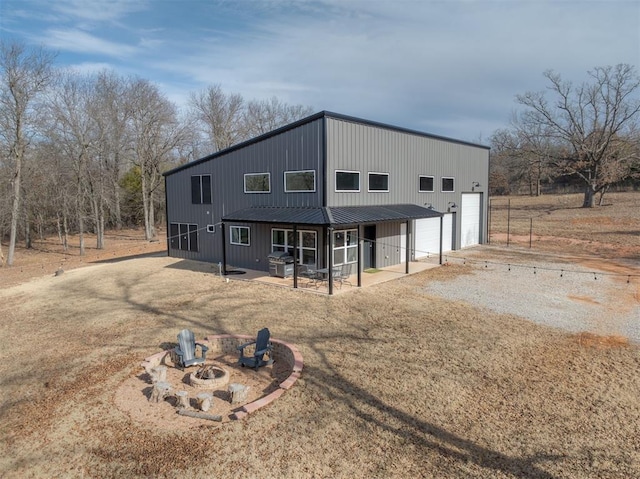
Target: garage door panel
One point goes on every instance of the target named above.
(427, 236)
(470, 219)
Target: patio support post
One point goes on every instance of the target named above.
(407, 246)
(330, 260)
(295, 256)
(441, 228)
(224, 249)
(360, 256)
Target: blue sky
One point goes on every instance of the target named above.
(450, 68)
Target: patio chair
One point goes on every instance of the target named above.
(262, 347)
(343, 274)
(308, 272)
(186, 350)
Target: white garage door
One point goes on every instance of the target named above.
(427, 237)
(447, 232)
(470, 219)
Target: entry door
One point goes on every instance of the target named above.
(470, 219)
(369, 247)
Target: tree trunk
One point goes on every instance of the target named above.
(27, 231)
(589, 196)
(15, 209)
(145, 204)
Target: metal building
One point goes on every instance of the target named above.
(330, 189)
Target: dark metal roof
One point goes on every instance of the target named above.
(316, 116)
(331, 216)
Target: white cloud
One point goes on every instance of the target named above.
(80, 41)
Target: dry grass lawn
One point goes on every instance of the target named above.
(396, 383)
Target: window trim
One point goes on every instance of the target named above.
(258, 174)
(369, 181)
(300, 191)
(453, 186)
(335, 177)
(346, 247)
(301, 247)
(238, 227)
(433, 183)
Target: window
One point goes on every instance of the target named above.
(347, 180)
(240, 235)
(211, 228)
(426, 184)
(183, 236)
(299, 181)
(201, 189)
(257, 183)
(378, 181)
(282, 240)
(345, 247)
(447, 185)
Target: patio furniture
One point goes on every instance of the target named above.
(344, 274)
(262, 347)
(186, 350)
(310, 273)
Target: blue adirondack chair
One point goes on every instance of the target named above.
(186, 350)
(262, 347)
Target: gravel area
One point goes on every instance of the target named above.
(558, 293)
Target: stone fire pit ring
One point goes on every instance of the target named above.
(220, 378)
(227, 344)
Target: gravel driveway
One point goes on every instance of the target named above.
(549, 291)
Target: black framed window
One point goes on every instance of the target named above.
(347, 180)
(378, 181)
(299, 181)
(447, 185)
(201, 189)
(426, 184)
(183, 236)
(257, 183)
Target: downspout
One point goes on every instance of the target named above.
(407, 250)
(166, 214)
(295, 256)
(360, 249)
(224, 249)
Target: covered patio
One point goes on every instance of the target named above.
(368, 277)
(335, 218)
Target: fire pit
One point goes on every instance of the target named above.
(209, 377)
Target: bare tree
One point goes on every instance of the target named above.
(267, 115)
(112, 114)
(24, 75)
(156, 137)
(73, 129)
(220, 116)
(592, 124)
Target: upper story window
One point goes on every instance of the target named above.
(201, 189)
(299, 181)
(378, 181)
(447, 185)
(257, 183)
(426, 184)
(347, 180)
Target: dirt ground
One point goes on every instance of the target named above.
(396, 383)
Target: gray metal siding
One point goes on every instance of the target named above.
(405, 156)
(298, 149)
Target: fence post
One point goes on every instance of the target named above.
(508, 220)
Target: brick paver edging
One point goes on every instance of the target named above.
(227, 344)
